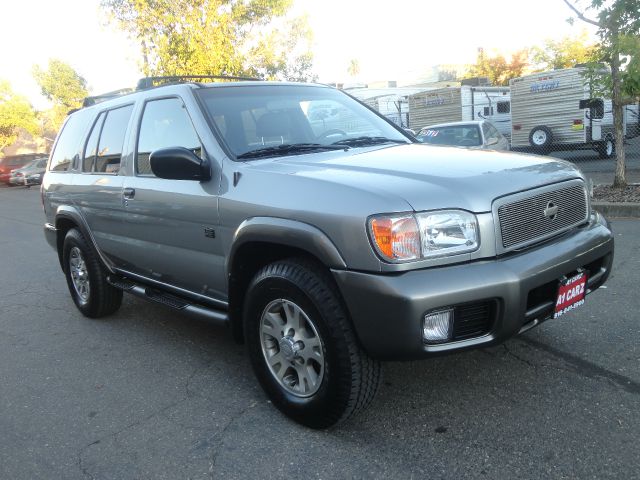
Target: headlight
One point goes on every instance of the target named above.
(404, 238)
(447, 232)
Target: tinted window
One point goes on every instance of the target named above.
(597, 109)
(69, 142)
(457, 135)
(504, 107)
(91, 149)
(254, 117)
(165, 123)
(493, 132)
(112, 140)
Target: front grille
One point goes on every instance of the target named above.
(524, 221)
(473, 319)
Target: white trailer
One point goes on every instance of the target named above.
(555, 111)
(464, 103)
(392, 102)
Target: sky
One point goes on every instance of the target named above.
(392, 40)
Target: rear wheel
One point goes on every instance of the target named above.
(87, 279)
(302, 347)
(607, 149)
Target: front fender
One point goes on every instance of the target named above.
(290, 233)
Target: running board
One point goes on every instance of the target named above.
(148, 293)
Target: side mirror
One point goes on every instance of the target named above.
(492, 141)
(179, 163)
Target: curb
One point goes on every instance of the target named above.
(617, 209)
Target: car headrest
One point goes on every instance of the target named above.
(273, 124)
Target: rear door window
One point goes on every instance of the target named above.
(109, 153)
(91, 149)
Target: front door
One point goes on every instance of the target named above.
(171, 223)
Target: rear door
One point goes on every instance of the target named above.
(97, 186)
(171, 223)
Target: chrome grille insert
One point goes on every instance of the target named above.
(530, 217)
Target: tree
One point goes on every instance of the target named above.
(283, 54)
(564, 53)
(618, 23)
(497, 69)
(354, 67)
(63, 86)
(15, 113)
(223, 37)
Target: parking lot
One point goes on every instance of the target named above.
(151, 394)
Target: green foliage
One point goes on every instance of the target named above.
(63, 86)
(564, 53)
(283, 54)
(618, 23)
(15, 113)
(598, 74)
(498, 69)
(216, 37)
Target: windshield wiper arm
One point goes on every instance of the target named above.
(365, 141)
(287, 149)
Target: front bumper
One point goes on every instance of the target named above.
(17, 181)
(51, 235)
(387, 309)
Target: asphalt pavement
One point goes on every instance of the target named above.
(148, 393)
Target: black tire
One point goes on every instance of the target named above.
(350, 378)
(101, 298)
(607, 149)
(541, 138)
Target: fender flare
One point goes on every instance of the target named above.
(286, 232)
(68, 212)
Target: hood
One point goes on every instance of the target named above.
(430, 177)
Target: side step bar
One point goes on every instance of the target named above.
(217, 317)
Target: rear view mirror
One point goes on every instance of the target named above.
(179, 163)
(492, 141)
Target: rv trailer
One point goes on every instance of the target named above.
(464, 103)
(392, 102)
(555, 111)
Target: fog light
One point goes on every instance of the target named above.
(437, 326)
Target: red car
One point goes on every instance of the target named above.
(14, 162)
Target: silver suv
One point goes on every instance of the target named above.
(320, 233)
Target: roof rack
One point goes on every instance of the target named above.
(88, 101)
(150, 82)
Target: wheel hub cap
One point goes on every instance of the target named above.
(292, 348)
(79, 274)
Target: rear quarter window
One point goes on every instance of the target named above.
(69, 142)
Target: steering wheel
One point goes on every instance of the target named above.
(329, 133)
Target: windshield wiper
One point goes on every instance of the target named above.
(366, 141)
(288, 149)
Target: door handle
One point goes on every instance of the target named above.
(129, 193)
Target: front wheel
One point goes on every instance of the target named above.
(87, 279)
(302, 347)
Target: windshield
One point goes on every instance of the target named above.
(272, 119)
(457, 135)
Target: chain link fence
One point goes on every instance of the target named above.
(550, 113)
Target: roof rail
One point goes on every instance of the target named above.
(88, 101)
(150, 82)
